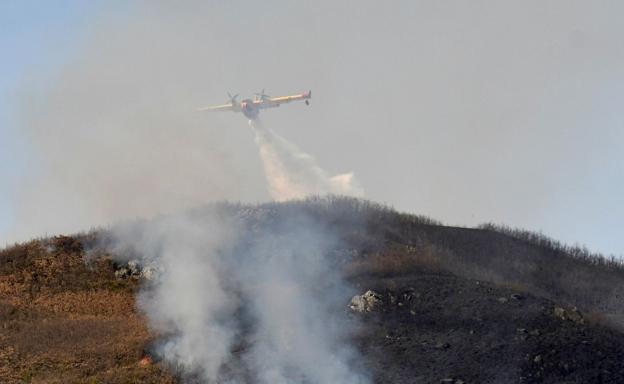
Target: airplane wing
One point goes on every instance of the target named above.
(277, 101)
(224, 107)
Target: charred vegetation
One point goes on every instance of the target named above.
(465, 305)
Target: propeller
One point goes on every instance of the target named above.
(232, 98)
(262, 95)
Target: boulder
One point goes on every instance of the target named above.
(149, 273)
(122, 273)
(367, 302)
(134, 267)
(572, 314)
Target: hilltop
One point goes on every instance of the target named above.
(433, 303)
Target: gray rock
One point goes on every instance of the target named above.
(149, 273)
(537, 359)
(367, 302)
(135, 270)
(122, 273)
(134, 267)
(572, 314)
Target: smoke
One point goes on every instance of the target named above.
(294, 174)
(113, 135)
(239, 300)
(245, 295)
(188, 301)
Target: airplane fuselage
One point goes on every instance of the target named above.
(251, 107)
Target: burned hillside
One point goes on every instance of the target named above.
(439, 304)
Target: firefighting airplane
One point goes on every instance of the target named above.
(251, 107)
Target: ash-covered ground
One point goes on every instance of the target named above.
(388, 297)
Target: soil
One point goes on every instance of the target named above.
(66, 318)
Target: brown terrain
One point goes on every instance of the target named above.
(63, 321)
(447, 305)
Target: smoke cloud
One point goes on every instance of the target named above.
(114, 135)
(497, 99)
(237, 301)
(243, 295)
(294, 174)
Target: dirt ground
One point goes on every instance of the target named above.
(62, 321)
(436, 327)
(66, 321)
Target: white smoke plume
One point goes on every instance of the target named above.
(187, 303)
(294, 174)
(244, 295)
(114, 136)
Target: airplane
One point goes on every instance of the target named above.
(251, 107)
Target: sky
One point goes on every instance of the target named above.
(465, 111)
(34, 37)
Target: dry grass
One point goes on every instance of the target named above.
(396, 261)
(62, 321)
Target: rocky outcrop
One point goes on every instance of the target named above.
(572, 314)
(133, 269)
(367, 302)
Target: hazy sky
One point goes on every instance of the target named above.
(35, 37)
(467, 111)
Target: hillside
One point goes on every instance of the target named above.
(446, 304)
